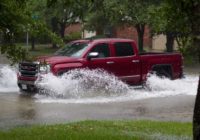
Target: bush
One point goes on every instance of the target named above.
(189, 52)
(72, 36)
(96, 37)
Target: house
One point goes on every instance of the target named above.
(75, 27)
(157, 42)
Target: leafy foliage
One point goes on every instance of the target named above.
(62, 13)
(179, 18)
(97, 18)
(39, 26)
(131, 12)
(16, 18)
(72, 36)
(185, 20)
(13, 18)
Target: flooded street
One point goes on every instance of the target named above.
(72, 99)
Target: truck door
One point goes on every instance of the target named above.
(125, 64)
(103, 50)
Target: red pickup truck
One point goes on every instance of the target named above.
(117, 56)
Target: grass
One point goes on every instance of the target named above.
(103, 130)
(40, 49)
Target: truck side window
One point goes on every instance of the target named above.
(102, 49)
(123, 49)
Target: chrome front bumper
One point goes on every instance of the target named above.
(26, 82)
(27, 85)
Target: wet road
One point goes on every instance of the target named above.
(167, 100)
(18, 110)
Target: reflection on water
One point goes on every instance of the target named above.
(16, 109)
(26, 108)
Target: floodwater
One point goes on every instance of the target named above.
(94, 94)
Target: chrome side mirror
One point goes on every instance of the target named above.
(92, 55)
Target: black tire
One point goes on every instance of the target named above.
(163, 71)
(30, 89)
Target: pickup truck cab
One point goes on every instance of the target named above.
(117, 56)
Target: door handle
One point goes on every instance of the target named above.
(135, 61)
(110, 62)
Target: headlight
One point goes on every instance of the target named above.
(44, 68)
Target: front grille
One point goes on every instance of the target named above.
(28, 69)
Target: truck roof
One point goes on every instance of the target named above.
(103, 40)
(110, 39)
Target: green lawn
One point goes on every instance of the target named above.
(40, 49)
(103, 130)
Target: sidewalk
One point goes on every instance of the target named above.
(3, 59)
(192, 69)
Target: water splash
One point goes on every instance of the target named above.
(8, 79)
(82, 83)
(163, 87)
(97, 86)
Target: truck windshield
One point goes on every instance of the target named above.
(72, 50)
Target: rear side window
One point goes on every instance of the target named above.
(123, 49)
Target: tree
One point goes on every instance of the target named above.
(179, 20)
(189, 20)
(36, 12)
(13, 17)
(16, 18)
(97, 18)
(62, 13)
(196, 116)
(165, 21)
(38, 25)
(131, 12)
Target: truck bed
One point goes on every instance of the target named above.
(152, 59)
(156, 53)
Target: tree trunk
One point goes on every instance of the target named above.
(195, 24)
(7, 39)
(196, 116)
(99, 31)
(140, 31)
(196, 43)
(54, 45)
(54, 24)
(170, 41)
(62, 30)
(54, 27)
(32, 43)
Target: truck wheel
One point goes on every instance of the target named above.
(30, 89)
(146, 86)
(28, 92)
(163, 71)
